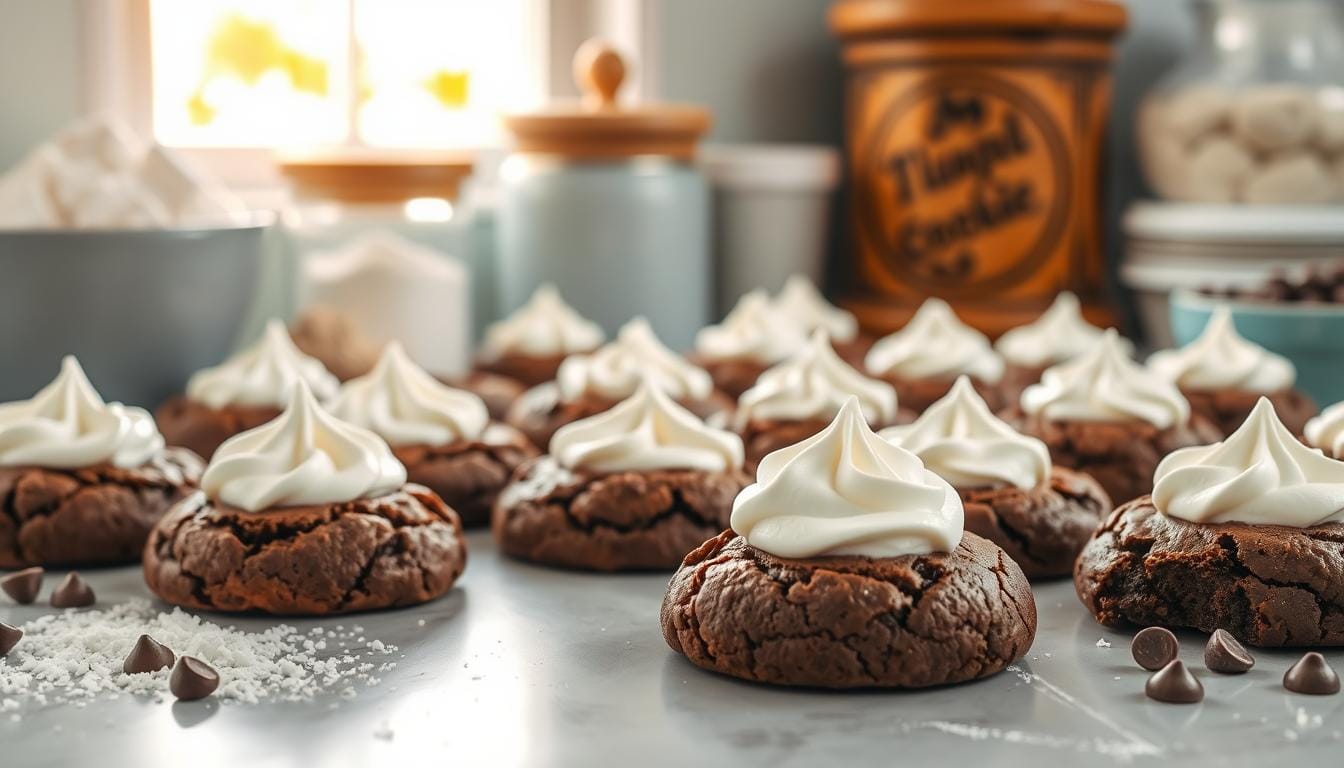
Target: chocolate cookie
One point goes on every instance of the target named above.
(731, 377)
(1267, 585)
(1042, 529)
(92, 516)
(498, 392)
(1228, 408)
(527, 370)
(850, 622)
(188, 424)
(1120, 455)
(612, 522)
(540, 412)
(467, 474)
(404, 548)
(915, 395)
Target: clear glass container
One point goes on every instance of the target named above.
(1254, 113)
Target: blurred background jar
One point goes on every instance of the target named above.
(1255, 111)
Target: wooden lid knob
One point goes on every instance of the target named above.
(599, 71)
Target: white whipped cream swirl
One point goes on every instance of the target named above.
(545, 326)
(1059, 334)
(846, 491)
(814, 384)
(1106, 385)
(935, 345)
(68, 426)
(799, 299)
(646, 432)
(404, 405)
(304, 456)
(754, 331)
(1221, 359)
(1326, 431)
(262, 374)
(617, 369)
(1260, 475)
(968, 446)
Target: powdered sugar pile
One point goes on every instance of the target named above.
(76, 656)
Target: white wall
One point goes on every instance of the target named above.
(39, 72)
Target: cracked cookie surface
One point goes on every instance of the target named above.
(611, 522)
(97, 515)
(400, 549)
(1228, 408)
(467, 474)
(1042, 529)
(1268, 585)
(850, 622)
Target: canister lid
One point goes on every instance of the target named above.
(876, 18)
(599, 127)
(354, 175)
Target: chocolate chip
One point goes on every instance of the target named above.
(1311, 675)
(1174, 684)
(23, 586)
(148, 655)
(73, 592)
(1153, 648)
(1225, 654)
(9, 637)
(192, 679)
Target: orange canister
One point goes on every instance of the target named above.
(974, 141)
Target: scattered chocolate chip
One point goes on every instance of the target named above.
(1153, 648)
(192, 679)
(148, 655)
(1225, 654)
(1174, 684)
(1311, 675)
(9, 637)
(73, 592)
(23, 586)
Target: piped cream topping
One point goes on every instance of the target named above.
(814, 384)
(1058, 335)
(935, 345)
(404, 405)
(646, 432)
(1260, 474)
(1326, 431)
(968, 446)
(262, 374)
(799, 299)
(543, 327)
(617, 369)
(1221, 359)
(846, 491)
(754, 330)
(1106, 385)
(67, 425)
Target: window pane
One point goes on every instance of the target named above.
(438, 73)
(250, 73)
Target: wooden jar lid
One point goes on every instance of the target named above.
(880, 18)
(376, 176)
(600, 128)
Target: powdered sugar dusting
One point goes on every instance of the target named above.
(76, 656)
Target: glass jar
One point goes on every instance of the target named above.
(1254, 113)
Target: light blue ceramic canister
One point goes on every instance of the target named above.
(606, 203)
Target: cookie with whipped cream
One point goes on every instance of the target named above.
(82, 481)
(635, 487)
(1059, 335)
(847, 566)
(924, 358)
(1013, 495)
(529, 345)
(245, 391)
(754, 336)
(305, 514)
(588, 384)
(1108, 416)
(800, 300)
(1223, 375)
(443, 436)
(801, 396)
(1245, 535)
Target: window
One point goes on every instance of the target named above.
(380, 73)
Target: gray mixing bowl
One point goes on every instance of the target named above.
(141, 309)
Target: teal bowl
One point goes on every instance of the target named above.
(1310, 335)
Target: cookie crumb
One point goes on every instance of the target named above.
(1102, 643)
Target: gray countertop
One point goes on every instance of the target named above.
(521, 665)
